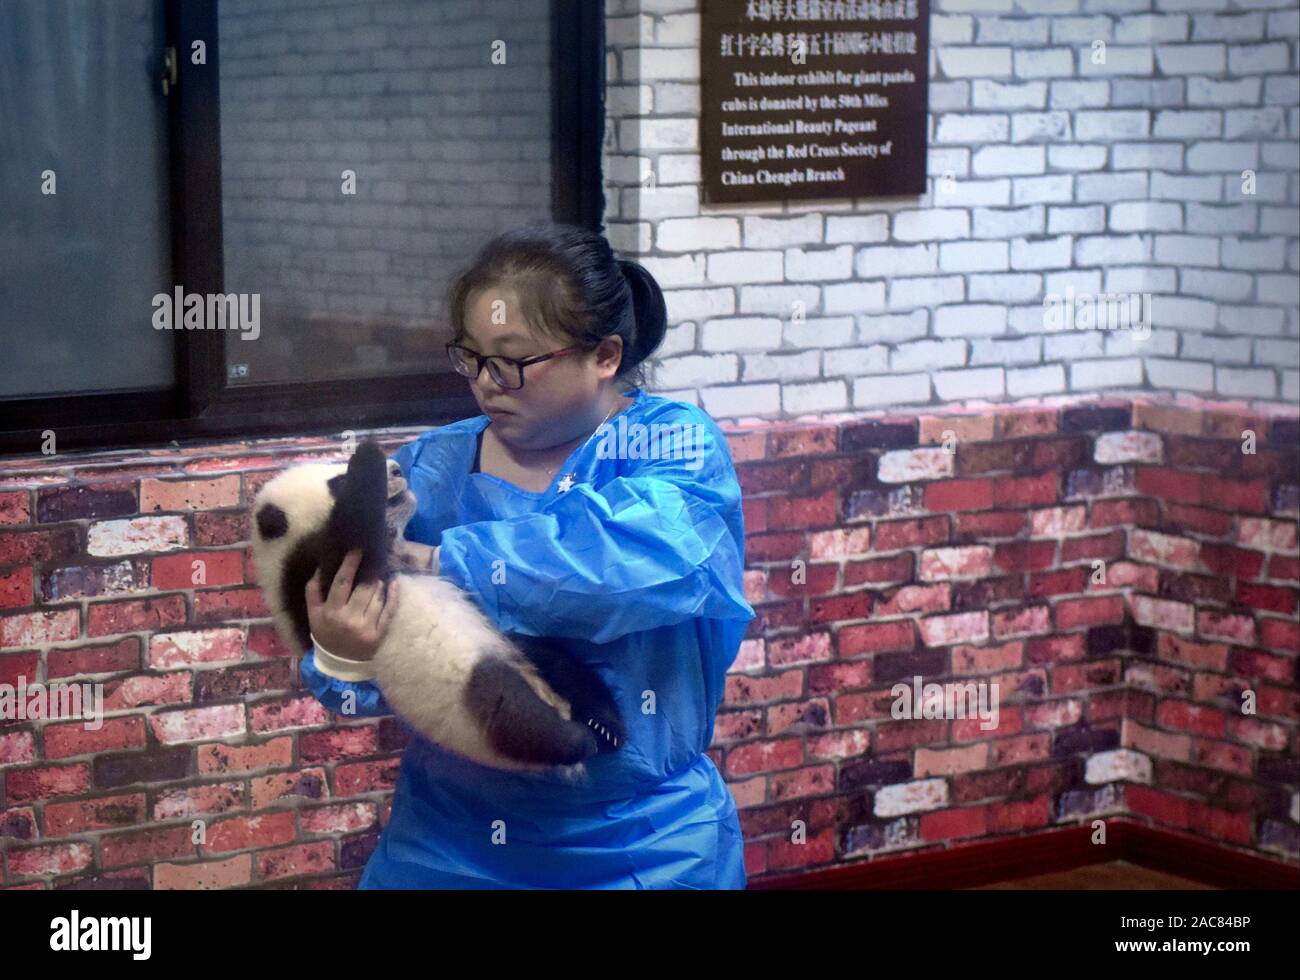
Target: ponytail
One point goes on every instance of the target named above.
(649, 312)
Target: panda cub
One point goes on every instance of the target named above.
(509, 702)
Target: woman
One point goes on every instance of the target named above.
(628, 551)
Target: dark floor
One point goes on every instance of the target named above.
(1112, 875)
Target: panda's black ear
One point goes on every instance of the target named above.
(272, 522)
(336, 485)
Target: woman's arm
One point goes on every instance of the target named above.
(649, 549)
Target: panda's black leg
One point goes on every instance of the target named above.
(592, 703)
(518, 723)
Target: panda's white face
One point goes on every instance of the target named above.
(290, 508)
(296, 504)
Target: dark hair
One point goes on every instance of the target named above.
(571, 286)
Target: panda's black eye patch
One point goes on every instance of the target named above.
(272, 522)
(336, 484)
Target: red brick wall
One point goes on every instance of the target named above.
(1121, 692)
(975, 563)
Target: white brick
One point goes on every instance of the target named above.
(1179, 124)
(925, 355)
(989, 382)
(696, 304)
(783, 301)
(824, 263)
(1147, 156)
(691, 370)
(999, 160)
(1183, 313)
(1106, 126)
(689, 234)
(820, 332)
(893, 328)
(1026, 350)
(745, 266)
(823, 396)
(934, 223)
(741, 400)
(1120, 61)
(1110, 187)
(906, 293)
(741, 333)
(858, 360)
(1040, 126)
(980, 127)
(782, 367)
(1004, 224)
(1081, 219)
(1119, 765)
(1180, 188)
(1086, 375)
(1187, 250)
(974, 257)
(1107, 250)
(1079, 95)
(1045, 63)
(1259, 320)
(1076, 157)
(853, 297)
(969, 320)
(894, 260)
(975, 62)
(780, 232)
(891, 389)
(1146, 216)
(1015, 287)
(971, 193)
(1210, 91)
(1052, 189)
(856, 229)
(1193, 59)
(988, 94)
(1046, 253)
(1245, 382)
(1257, 59)
(1232, 157)
(1026, 382)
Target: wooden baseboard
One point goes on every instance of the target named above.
(989, 862)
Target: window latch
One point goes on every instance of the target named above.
(168, 76)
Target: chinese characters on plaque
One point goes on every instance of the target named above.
(813, 98)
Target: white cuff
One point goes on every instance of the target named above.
(340, 667)
(433, 562)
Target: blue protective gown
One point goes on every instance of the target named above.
(637, 568)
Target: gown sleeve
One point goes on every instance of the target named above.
(648, 549)
(330, 691)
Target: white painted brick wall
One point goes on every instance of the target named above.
(1051, 168)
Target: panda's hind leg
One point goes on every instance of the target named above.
(591, 702)
(518, 723)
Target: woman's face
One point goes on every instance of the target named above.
(559, 395)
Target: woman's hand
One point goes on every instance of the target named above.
(350, 623)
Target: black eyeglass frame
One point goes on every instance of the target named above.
(517, 363)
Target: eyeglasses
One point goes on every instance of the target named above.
(508, 372)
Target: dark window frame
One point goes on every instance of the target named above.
(202, 404)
